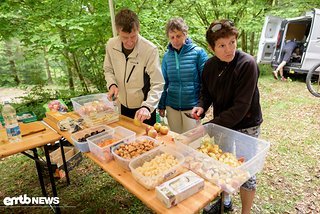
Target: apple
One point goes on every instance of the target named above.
(152, 133)
(164, 130)
(157, 126)
(148, 128)
(137, 122)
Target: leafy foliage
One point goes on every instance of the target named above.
(65, 41)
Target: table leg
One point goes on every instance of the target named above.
(53, 185)
(222, 202)
(64, 160)
(39, 171)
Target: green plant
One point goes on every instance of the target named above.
(265, 69)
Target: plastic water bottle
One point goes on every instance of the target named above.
(11, 123)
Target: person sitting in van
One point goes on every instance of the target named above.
(286, 53)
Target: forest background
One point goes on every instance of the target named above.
(62, 43)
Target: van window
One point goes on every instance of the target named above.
(298, 31)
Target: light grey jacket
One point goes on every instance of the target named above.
(132, 75)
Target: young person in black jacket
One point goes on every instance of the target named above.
(229, 83)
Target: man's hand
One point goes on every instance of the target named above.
(142, 114)
(113, 93)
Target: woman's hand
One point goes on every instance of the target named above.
(197, 111)
(162, 112)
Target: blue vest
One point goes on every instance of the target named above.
(182, 73)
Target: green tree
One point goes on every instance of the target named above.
(63, 42)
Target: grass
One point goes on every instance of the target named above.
(290, 179)
(289, 182)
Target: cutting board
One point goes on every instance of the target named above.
(57, 116)
(30, 128)
(25, 128)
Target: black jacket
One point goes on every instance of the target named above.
(232, 89)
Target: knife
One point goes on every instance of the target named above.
(192, 116)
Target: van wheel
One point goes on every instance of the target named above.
(313, 80)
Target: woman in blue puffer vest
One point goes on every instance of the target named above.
(182, 66)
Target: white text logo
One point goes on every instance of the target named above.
(24, 199)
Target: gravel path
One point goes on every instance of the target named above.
(11, 94)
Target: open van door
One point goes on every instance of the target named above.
(268, 39)
(312, 56)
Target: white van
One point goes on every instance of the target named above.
(305, 30)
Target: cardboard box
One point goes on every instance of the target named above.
(179, 188)
(56, 156)
(73, 158)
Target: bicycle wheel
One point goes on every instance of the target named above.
(313, 80)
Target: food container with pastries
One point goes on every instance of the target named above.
(101, 145)
(157, 166)
(124, 152)
(228, 144)
(80, 138)
(95, 109)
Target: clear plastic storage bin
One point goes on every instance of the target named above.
(101, 145)
(80, 138)
(95, 109)
(252, 150)
(124, 162)
(151, 181)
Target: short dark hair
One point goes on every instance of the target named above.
(176, 24)
(227, 30)
(127, 20)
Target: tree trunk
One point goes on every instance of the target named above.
(46, 63)
(70, 74)
(68, 59)
(252, 43)
(12, 63)
(275, 2)
(78, 71)
(244, 41)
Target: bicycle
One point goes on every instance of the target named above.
(313, 80)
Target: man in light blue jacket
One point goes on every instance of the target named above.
(182, 67)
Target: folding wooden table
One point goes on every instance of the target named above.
(191, 205)
(37, 135)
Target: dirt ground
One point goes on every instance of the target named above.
(11, 94)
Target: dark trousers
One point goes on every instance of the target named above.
(129, 112)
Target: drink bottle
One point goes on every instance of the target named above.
(11, 123)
